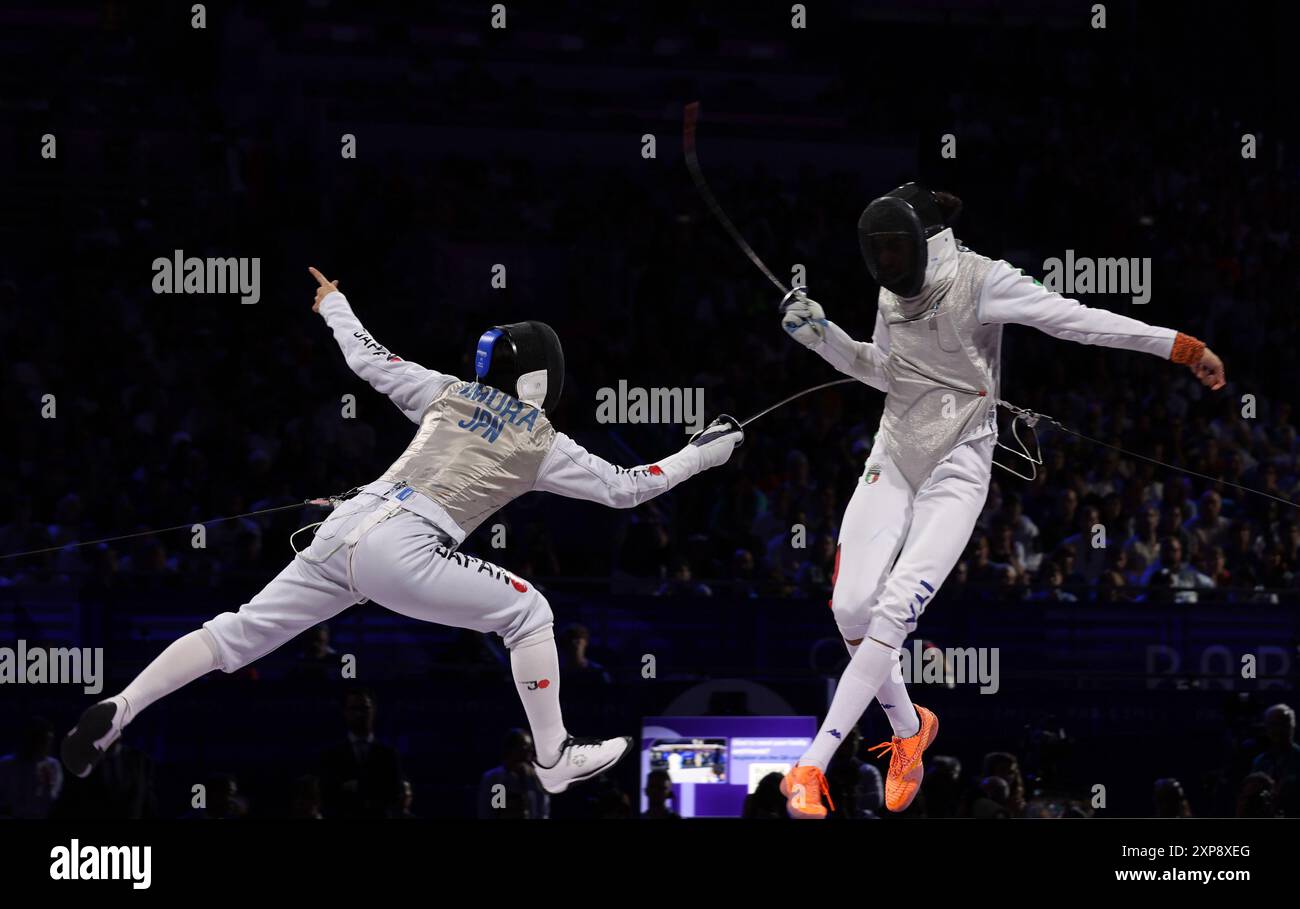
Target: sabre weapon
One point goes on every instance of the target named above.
(1030, 418)
(797, 394)
(703, 437)
(690, 118)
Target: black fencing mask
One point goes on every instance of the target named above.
(523, 359)
(893, 232)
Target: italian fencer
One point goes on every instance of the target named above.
(936, 354)
(478, 445)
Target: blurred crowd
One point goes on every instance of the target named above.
(126, 412)
(151, 437)
(129, 412)
(362, 776)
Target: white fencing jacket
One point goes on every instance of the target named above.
(477, 448)
(938, 357)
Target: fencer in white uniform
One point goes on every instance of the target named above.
(936, 354)
(479, 445)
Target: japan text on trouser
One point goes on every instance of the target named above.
(400, 561)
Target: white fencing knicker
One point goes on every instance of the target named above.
(897, 546)
(375, 546)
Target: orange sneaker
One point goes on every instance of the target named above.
(803, 788)
(905, 767)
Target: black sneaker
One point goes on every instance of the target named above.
(98, 728)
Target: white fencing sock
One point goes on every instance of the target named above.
(184, 660)
(895, 700)
(859, 684)
(897, 703)
(536, 668)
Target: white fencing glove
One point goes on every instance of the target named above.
(717, 441)
(803, 319)
(709, 447)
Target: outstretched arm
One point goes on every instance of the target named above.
(806, 322)
(408, 385)
(570, 470)
(1011, 296)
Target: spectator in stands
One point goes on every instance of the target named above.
(1004, 549)
(1173, 523)
(1067, 557)
(1281, 758)
(1004, 764)
(1064, 519)
(1289, 539)
(1242, 553)
(1257, 796)
(221, 800)
(1053, 590)
(855, 784)
(306, 800)
(942, 786)
(982, 570)
(317, 659)
(1171, 573)
(743, 579)
(405, 801)
(1213, 563)
(815, 573)
(611, 802)
(1274, 572)
(578, 669)
(1170, 801)
(1088, 543)
(1112, 589)
(1024, 532)
(681, 584)
(511, 790)
(647, 551)
(766, 801)
(1209, 527)
(799, 485)
(992, 799)
(120, 787)
(361, 777)
(1143, 547)
(780, 552)
(658, 793)
(31, 778)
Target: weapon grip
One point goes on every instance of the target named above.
(785, 301)
(704, 437)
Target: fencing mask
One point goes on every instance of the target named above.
(893, 232)
(524, 359)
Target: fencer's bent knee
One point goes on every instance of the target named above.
(851, 611)
(216, 630)
(844, 605)
(242, 637)
(540, 636)
(531, 623)
(887, 629)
